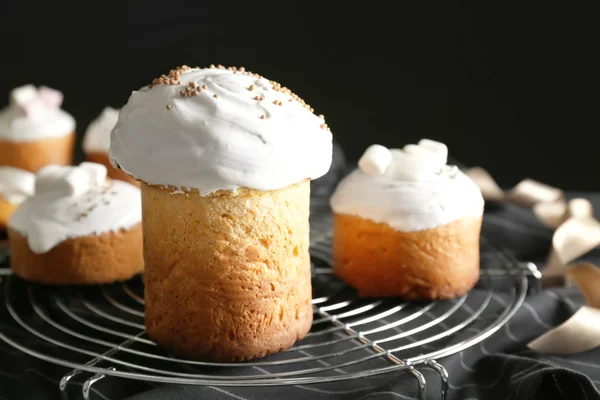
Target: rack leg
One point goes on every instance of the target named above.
(443, 375)
(87, 385)
(68, 376)
(536, 277)
(64, 381)
(421, 381)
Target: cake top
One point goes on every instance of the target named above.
(34, 113)
(97, 134)
(410, 189)
(71, 202)
(219, 129)
(16, 184)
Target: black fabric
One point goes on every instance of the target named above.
(501, 367)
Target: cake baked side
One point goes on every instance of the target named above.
(229, 275)
(36, 154)
(91, 259)
(437, 263)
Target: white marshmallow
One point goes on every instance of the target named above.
(97, 173)
(450, 171)
(375, 160)
(580, 208)
(77, 181)
(415, 149)
(438, 148)
(16, 184)
(68, 181)
(23, 94)
(51, 98)
(395, 165)
(45, 177)
(413, 163)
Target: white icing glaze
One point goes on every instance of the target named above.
(220, 143)
(434, 199)
(71, 202)
(97, 135)
(29, 118)
(16, 184)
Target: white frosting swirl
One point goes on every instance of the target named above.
(97, 135)
(16, 184)
(47, 121)
(408, 204)
(220, 143)
(71, 202)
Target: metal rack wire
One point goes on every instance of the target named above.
(100, 330)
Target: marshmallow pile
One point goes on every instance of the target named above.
(70, 181)
(34, 101)
(413, 162)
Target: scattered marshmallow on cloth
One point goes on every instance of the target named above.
(576, 233)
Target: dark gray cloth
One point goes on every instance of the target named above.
(501, 367)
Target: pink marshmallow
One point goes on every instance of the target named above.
(32, 108)
(33, 102)
(51, 98)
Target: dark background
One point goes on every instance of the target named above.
(512, 89)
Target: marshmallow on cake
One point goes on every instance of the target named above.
(78, 228)
(34, 130)
(96, 143)
(15, 186)
(225, 158)
(406, 224)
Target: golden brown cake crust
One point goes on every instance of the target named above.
(103, 258)
(378, 261)
(6, 210)
(33, 155)
(114, 173)
(228, 275)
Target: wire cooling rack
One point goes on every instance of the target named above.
(100, 330)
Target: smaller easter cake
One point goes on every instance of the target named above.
(79, 227)
(408, 225)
